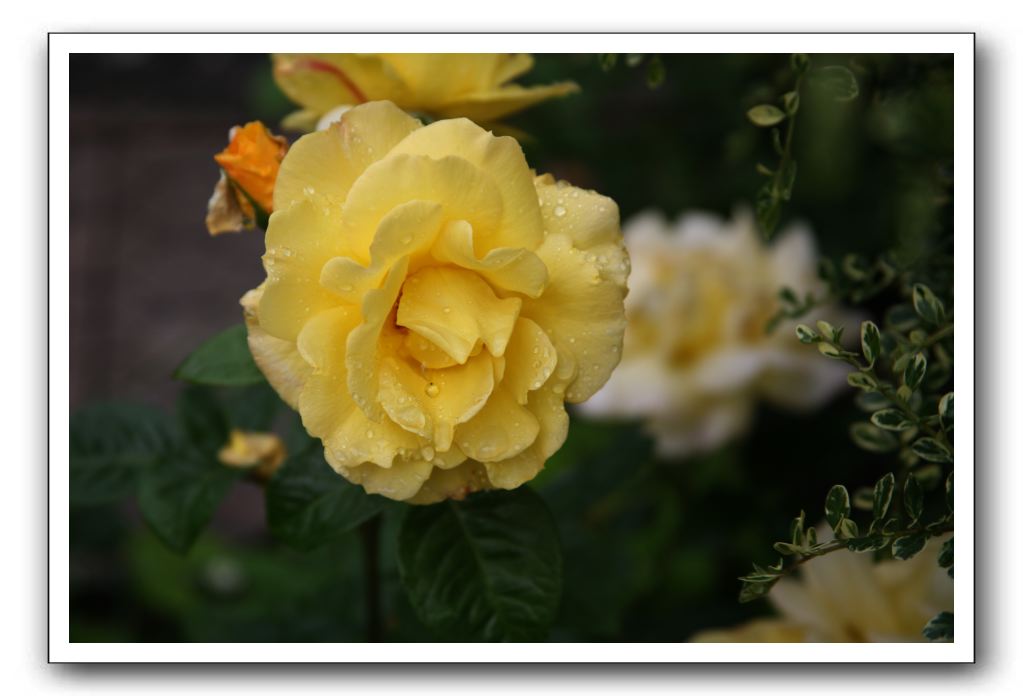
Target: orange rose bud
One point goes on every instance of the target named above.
(251, 160)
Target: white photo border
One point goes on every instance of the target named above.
(61, 45)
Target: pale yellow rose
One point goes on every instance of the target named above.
(263, 453)
(846, 597)
(697, 357)
(430, 304)
(443, 85)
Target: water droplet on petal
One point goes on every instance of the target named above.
(432, 390)
(370, 434)
(559, 211)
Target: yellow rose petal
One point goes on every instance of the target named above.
(502, 429)
(512, 269)
(322, 340)
(502, 161)
(431, 403)
(497, 103)
(349, 437)
(321, 81)
(400, 481)
(547, 405)
(586, 216)
(511, 65)
(465, 192)
(362, 355)
(454, 483)
(322, 166)
(531, 359)
(278, 360)
(426, 353)
(408, 230)
(454, 309)
(581, 312)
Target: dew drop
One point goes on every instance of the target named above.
(432, 390)
(370, 434)
(447, 310)
(559, 211)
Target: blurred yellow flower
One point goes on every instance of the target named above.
(430, 304)
(697, 356)
(262, 452)
(846, 597)
(443, 85)
(248, 171)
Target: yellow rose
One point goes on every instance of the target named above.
(697, 357)
(444, 85)
(262, 452)
(846, 597)
(430, 304)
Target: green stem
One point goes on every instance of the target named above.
(369, 531)
(836, 544)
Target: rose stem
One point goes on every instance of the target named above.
(370, 533)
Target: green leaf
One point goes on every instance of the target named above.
(946, 557)
(933, 451)
(223, 360)
(768, 209)
(949, 492)
(871, 401)
(847, 529)
(870, 342)
(915, 371)
(868, 543)
(883, 491)
(891, 419)
(861, 380)
(203, 419)
(791, 102)
(799, 62)
(913, 499)
(835, 81)
(309, 504)
(110, 445)
(927, 305)
(607, 61)
(872, 438)
(806, 335)
(786, 549)
(829, 350)
(765, 115)
(752, 590)
(940, 628)
(487, 568)
(787, 179)
(906, 547)
(945, 408)
(836, 505)
(655, 72)
(178, 497)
